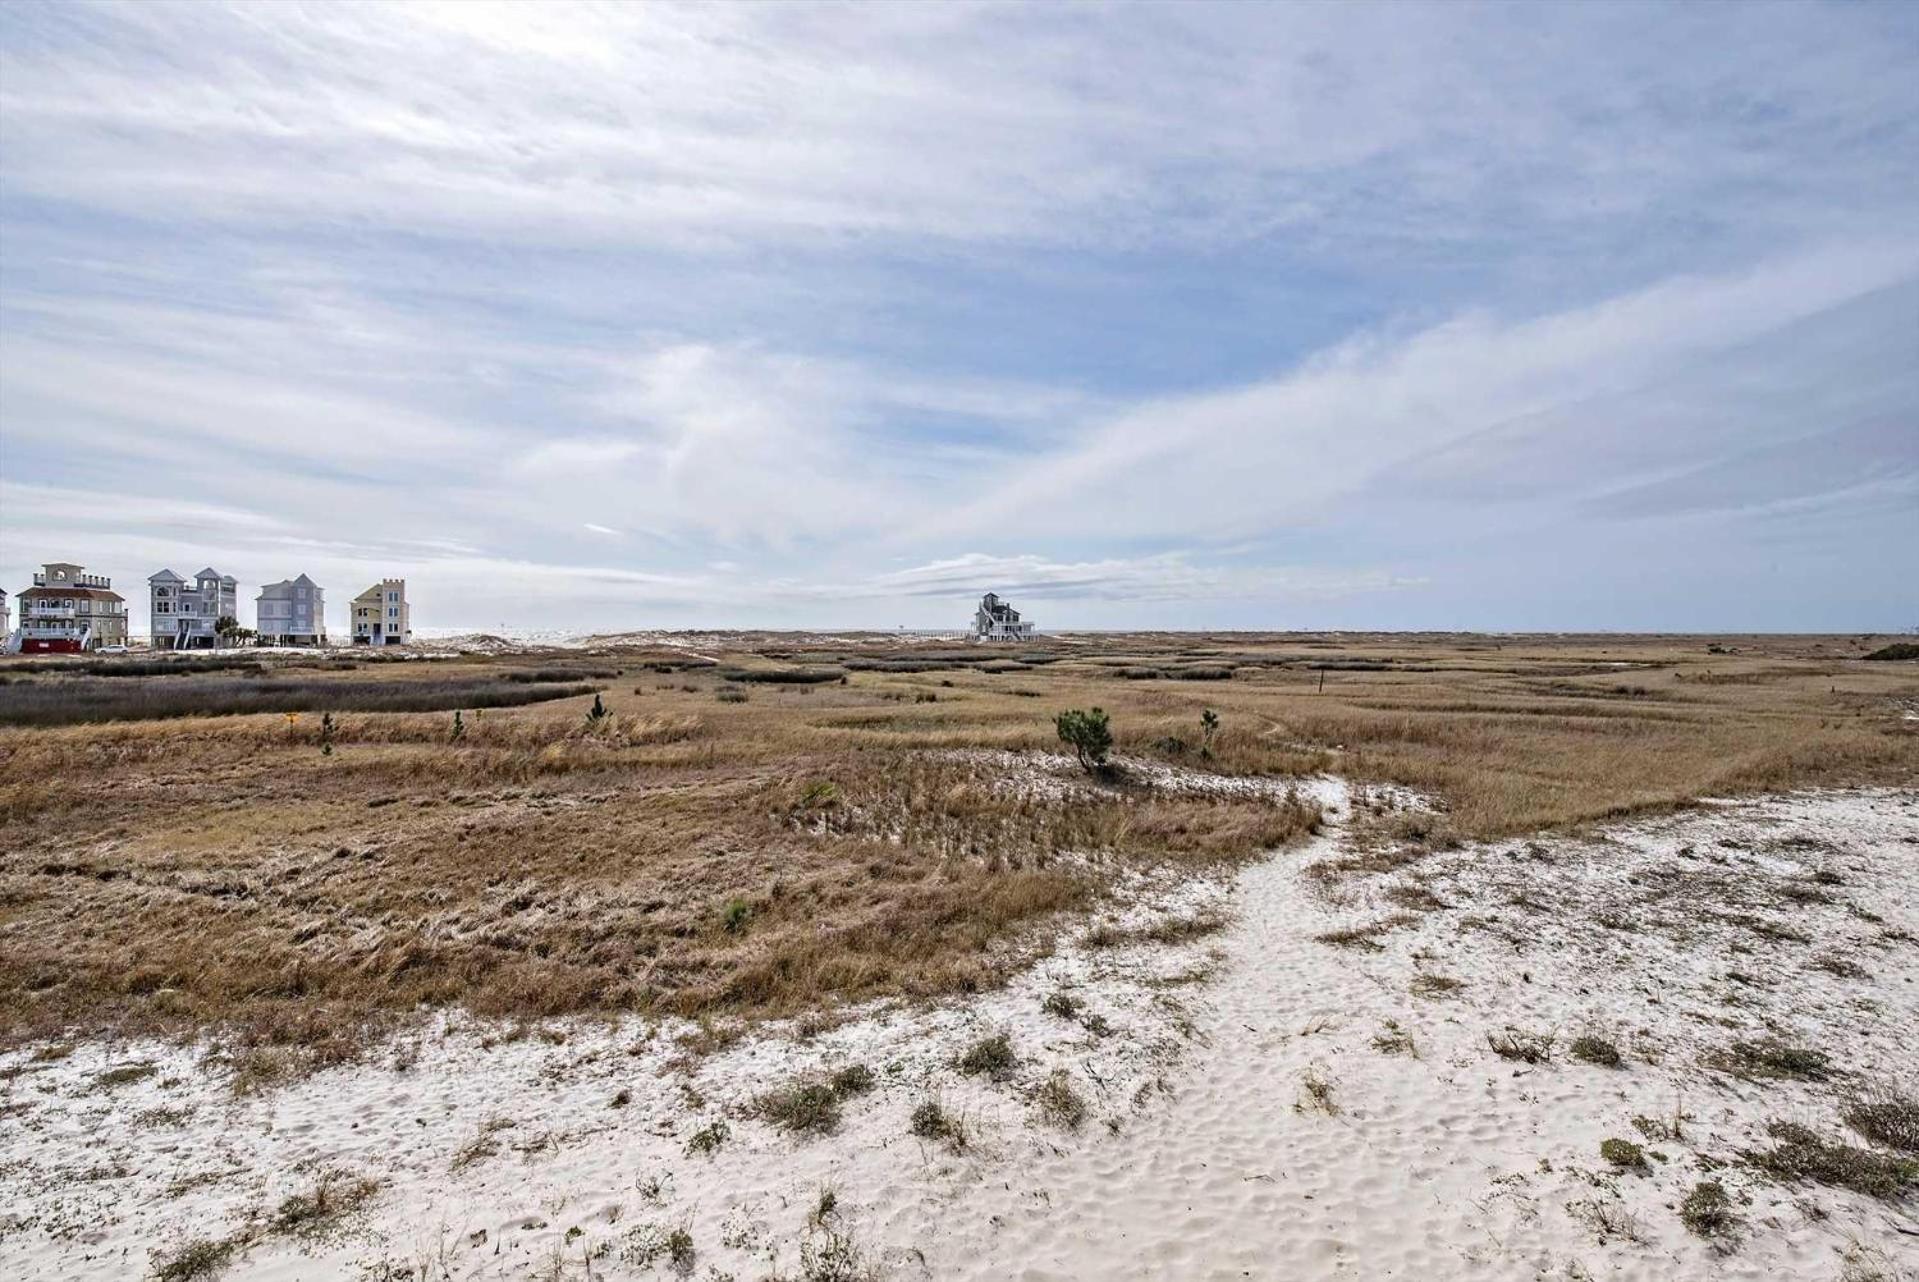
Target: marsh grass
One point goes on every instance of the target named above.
(186, 874)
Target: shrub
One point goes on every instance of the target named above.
(1707, 1211)
(809, 1108)
(735, 916)
(1089, 734)
(730, 695)
(991, 1055)
(1059, 1103)
(708, 1139)
(1897, 650)
(1591, 1049)
(1624, 1155)
(1062, 1004)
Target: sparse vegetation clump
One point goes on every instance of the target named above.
(933, 1121)
(709, 1139)
(1624, 1155)
(1395, 1040)
(1061, 1003)
(992, 1055)
(1800, 1153)
(1773, 1057)
(1590, 1048)
(197, 1259)
(1525, 1047)
(811, 1106)
(1317, 1093)
(1887, 1118)
(1059, 1103)
(1707, 1211)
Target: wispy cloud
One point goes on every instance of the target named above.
(803, 313)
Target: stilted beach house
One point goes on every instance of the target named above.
(380, 615)
(68, 610)
(292, 612)
(997, 620)
(185, 615)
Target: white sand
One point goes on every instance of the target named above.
(1201, 1158)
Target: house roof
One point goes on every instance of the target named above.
(208, 573)
(165, 576)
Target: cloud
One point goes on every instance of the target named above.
(640, 314)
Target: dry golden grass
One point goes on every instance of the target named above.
(813, 843)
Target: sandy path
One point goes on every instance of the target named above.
(1203, 1156)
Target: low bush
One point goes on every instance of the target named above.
(1707, 1211)
(993, 1055)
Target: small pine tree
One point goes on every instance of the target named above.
(1089, 734)
(326, 734)
(1208, 727)
(459, 726)
(597, 713)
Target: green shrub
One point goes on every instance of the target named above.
(1089, 734)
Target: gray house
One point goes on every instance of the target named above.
(292, 612)
(186, 615)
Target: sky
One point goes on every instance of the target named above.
(607, 317)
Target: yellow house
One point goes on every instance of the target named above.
(380, 615)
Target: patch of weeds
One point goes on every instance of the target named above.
(1844, 967)
(1802, 1154)
(1589, 1048)
(1059, 1103)
(1395, 1040)
(1524, 1047)
(1886, 1118)
(1317, 1093)
(709, 1139)
(933, 1121)
(1436, 986)
(621, 1098)
(833, 1256)
(1365, 937)
(854, 1079)
(727, 695)
(481, 1146)
(735, 916)
(1609, 1221)
(316, 1212)
(1707, 1211)
(1097, 1024)
(1415, 897)
(804, 1108)
(1773, 1057)
(679, 1249)
(992, 1055)
(825, 1207)
(1624, 1155)
(1061, 1003)
(200, 1258)
(124, 1074)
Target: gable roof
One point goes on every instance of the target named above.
(165, 576)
